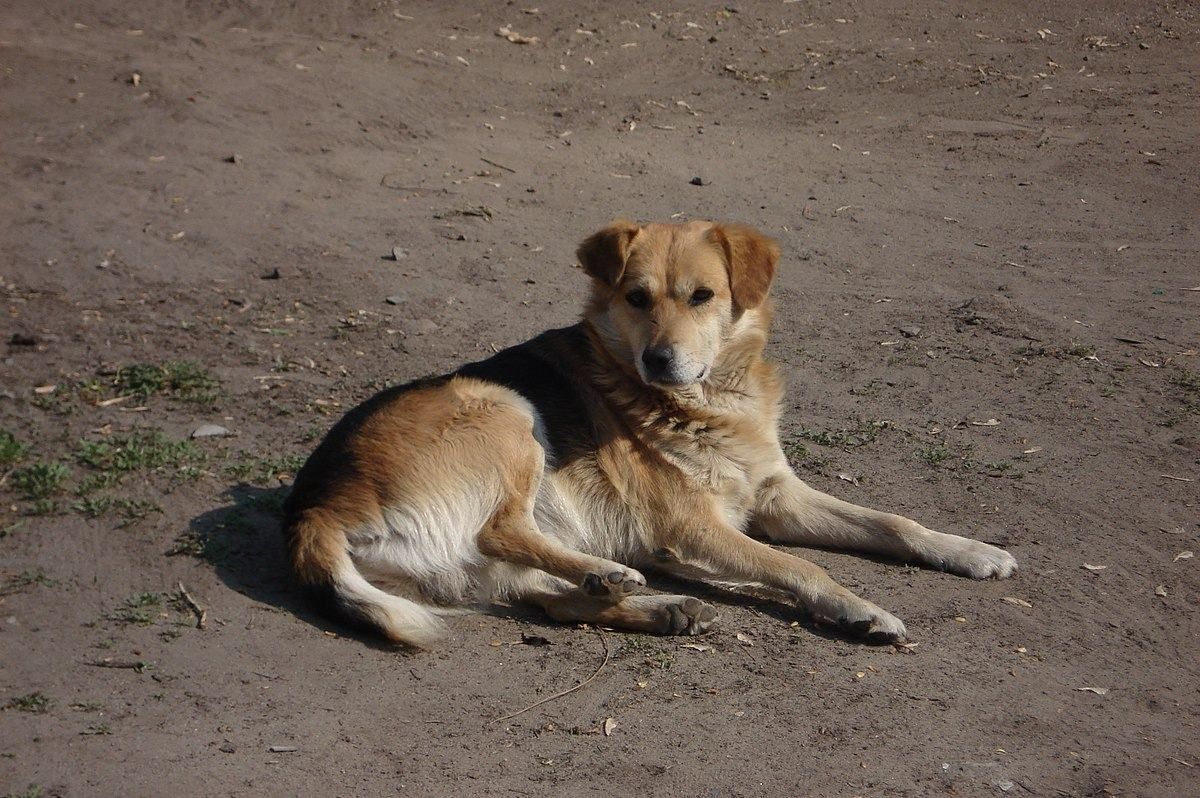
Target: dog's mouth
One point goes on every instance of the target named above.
(670, 381)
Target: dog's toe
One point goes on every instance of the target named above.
(616, 583)
(691, 616)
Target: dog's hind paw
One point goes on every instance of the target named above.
(674, 615)
(616, 582)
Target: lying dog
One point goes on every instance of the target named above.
(642, 437)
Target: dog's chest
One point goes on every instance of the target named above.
(714, 458)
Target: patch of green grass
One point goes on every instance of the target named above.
(1189, 383)
(662, 659)
(635, 642)
(182, 379)
(138, 451)
(27, 578)
(40, 480)
(799, 455)
(37, 703)
(866, 432)
(934, 454)
(134, 510)
(192, 544)
(140, 609)
(32, 791)
(97, 729)
(269, 503)
(202, 546)
(11, 449)
(93, 483)
(130, 510)
(264, 470)
(93, 506)
(59, 402)
(43, 507)
(1080, 350)
(1187, 380)
(5, 531)
(87, 706)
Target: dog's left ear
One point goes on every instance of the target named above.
(603, 254)
(750, 258)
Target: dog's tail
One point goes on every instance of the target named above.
(321, 560)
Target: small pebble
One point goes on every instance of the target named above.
(697, 181)
(210, 431)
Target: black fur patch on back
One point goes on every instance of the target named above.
(554, 392)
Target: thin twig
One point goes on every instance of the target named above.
(200, 613)
(569, 690)
(124, 665)
(499, 165)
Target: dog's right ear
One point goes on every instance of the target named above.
(603, 254)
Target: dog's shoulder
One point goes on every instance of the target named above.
(547, 372)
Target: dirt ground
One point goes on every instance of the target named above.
(987, 315)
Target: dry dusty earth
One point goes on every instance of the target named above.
(987, 212)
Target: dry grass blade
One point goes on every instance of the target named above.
(569, 690)
(200, 613)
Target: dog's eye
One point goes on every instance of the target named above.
(637, 298)
(700, 296)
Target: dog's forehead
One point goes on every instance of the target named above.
(675, 252)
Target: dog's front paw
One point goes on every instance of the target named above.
(860, 618)
(616, 582)
(966, 557)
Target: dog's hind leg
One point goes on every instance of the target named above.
(512, 535)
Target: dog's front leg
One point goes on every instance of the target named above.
(789, 511)
(715, 550)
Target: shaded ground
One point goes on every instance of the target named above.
(987, 214)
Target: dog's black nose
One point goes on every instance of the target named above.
(658, 359)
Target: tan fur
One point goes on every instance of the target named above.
(463, 489)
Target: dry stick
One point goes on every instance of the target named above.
(499, 165)
(132, 666)
(200, 613)
(569, 690)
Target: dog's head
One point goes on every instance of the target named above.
(668, 299)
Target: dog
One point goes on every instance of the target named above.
(644, 437)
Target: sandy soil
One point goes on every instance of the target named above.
(988, 213)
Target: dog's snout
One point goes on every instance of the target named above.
(658, 359)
